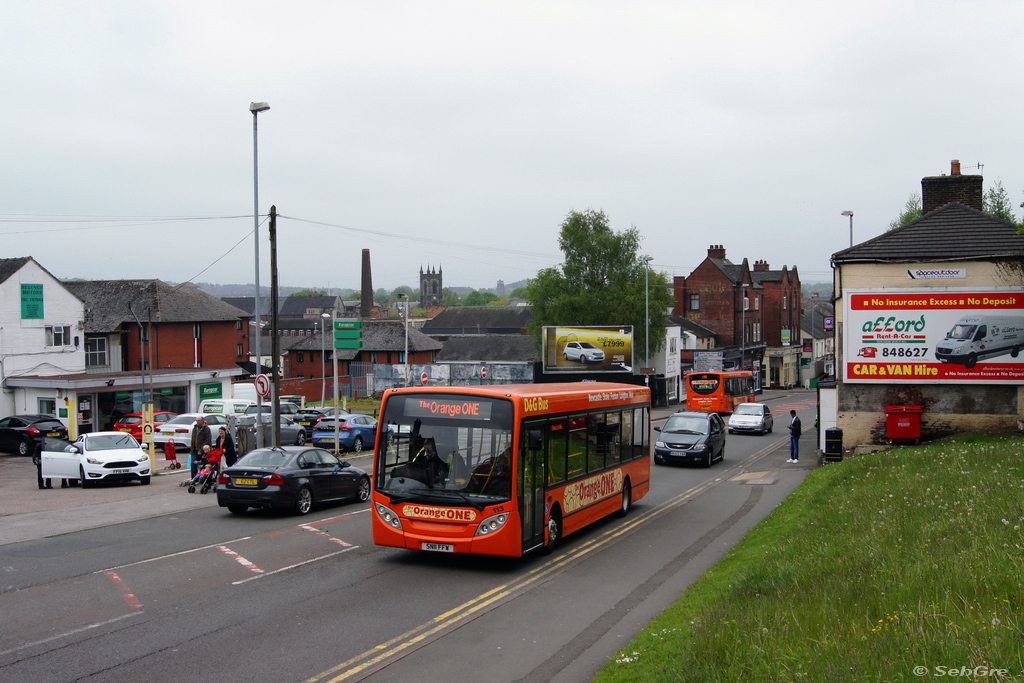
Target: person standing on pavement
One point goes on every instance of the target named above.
(227, 446)
(201, 436)
(37, 459)
(794, 438)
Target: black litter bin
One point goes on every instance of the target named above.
(833, 444)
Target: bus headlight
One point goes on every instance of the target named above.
(389, 516)
(492, 524)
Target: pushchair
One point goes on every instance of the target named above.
(209, 471)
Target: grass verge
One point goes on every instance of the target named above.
(905, 564)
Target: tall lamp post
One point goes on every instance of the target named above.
(743, 324)
(324, 317)
(256, 108)
(850, 214)
(406, 297)
(647, 316)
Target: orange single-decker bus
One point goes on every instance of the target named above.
(506, 469)
(719, 392)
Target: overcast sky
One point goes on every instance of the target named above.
(460, 134)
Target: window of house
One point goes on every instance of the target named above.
(47, 406)
(672, 344)
(96, 352)
(746, 301)
(238, 325)
(695, 302)
(58, 335)
(300, 357)
(757, 302)
(785, 299)
(240, 349)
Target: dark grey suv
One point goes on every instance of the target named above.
(690, 436)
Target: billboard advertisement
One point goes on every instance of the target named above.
(937, 335)
(588, 349)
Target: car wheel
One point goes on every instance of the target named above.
(972, 360)
(709, 457)
(770, 427)
(301, 438)
(627, 500)
(145, 481)
(304, 501)
(721, 453)
(554, 531)
(86, 484)
(237, 509)
(364, 489)
(357, 444)
(25, 447)
(1015, 352)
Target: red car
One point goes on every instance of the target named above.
(132, 422)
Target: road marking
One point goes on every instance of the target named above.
(70, 633)
(129, 597)
(332, 539)
(293, 566)
(239, 559)
(177, 554)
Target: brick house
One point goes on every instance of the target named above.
(914, 306)
(754, 313)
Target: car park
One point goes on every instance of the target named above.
(355, 432)
(289, 478)
(289, 409)
(132, 422)
(308, 417)
(20, 433)
(582, 351)
(179, 429)
(755, 418)
(96, 457)
(690, 436)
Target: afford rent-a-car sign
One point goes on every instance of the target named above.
(936, 335)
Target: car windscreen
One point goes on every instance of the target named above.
(109, 442)
(747, 409)
(264, 458)
(686, 424)
(181, 420)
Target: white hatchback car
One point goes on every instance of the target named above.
(98, 456)
(582, 351)
(751, 417)
(179, 429)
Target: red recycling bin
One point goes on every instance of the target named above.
(903, 423)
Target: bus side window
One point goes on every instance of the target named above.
(577, 446)
(597, 442)
(627, 435)
(613, 426)
(557, 450)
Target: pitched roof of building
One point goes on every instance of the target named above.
(106, 303)
(298, 306)
(690, 326)
(479, 320)
(493, 348)
(378, 335)
(248, 303)
(953, 232)
(10, 266)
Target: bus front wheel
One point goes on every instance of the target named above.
(554, 531)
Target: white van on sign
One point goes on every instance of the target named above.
(975, 337)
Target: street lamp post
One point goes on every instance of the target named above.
(647, 316)
(256, 108)
(850, 214)
(323, 358)
(743, 324)
(406, 297)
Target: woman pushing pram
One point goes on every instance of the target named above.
(209, 470)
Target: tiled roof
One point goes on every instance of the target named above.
(469, 319)
(378, 335)
(10, 266)
(493, 348)
(690, 326)
(954, 232)
(106, 303)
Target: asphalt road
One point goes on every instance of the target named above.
(166, 586)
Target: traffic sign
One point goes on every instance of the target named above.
(424, 378)
(348, 334)
(483, 372)
(263, 385)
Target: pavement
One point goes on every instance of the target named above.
(28, 512)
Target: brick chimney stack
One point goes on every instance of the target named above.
(716, 251)
(937, 191)
(761, 266)
(366, 288)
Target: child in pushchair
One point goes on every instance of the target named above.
(209, 470)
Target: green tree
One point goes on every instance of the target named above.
(478, 298)
(308, 292)
(601, 282)
(449, 297)
(911, 212)
(996, 202)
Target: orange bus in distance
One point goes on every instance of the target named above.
(719, 392)
(506, 469)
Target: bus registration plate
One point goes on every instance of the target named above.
(439, 547)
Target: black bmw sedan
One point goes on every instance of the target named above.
(289, 478)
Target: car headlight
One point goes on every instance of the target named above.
(94, 461)
(491, 524)
(143, 458)
(700, 447)
(659, 444)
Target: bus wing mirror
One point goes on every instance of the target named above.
(535, 440)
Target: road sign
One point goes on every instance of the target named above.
(483, 372)
(348, 334)
(147, 432)
(263, 385)
(424, 378)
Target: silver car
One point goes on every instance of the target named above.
(751, 417)
(583, 351)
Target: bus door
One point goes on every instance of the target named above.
(531, 484)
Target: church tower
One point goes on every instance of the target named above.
(430, 287)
